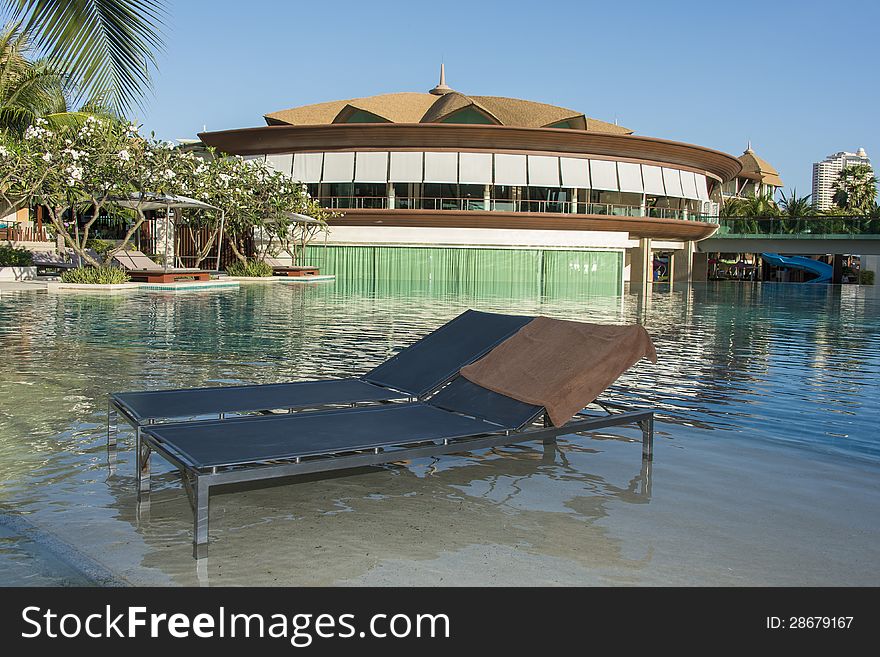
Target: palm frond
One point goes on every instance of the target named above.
(105, 45)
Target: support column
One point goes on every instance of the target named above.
(165, 238)
(699, 267)
(487, 197)
(837, 269)
(641, 272)
(390, 192)
(682, 264)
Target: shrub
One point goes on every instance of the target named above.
(95, 276)
(252, 268)
(866, 278)
(12, 257)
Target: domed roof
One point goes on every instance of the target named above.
(755, 168)
(442, 105)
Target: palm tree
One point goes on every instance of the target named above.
(855, 188)
(104, 46)
(794, 206)
(36, 89)
(27, 89)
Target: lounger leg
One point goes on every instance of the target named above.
(647, 438)
(112, 429)
(645, 479)
(201, 492)
(142, 452)
(551, 440)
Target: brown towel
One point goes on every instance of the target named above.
(561, 365)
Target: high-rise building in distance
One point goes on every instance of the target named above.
(826, 172)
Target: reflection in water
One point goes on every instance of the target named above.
(783, 365)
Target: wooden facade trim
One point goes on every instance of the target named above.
(637, 227)
(275, 139)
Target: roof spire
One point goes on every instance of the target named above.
(749, 147)
(441, 88)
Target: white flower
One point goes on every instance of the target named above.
(3, 151)
(75, 174)
(168, 174)
(132, 128)
(47, 157)
(124, 155)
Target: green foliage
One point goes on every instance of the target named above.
(12, 257)
(794, 206)
(866, 277)
(28, 89)
(104, 275)
(103, 46)
(251, 268)
(758, 205)
(102, 247)
(855, 189)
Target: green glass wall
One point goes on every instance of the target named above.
(473, 271)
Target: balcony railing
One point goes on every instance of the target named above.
(505, 205)
(798, 227)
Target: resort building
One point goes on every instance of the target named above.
(757, 178)
(508, 186)
(825, 174)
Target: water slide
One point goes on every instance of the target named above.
(822, 271)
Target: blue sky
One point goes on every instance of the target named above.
(798, 79)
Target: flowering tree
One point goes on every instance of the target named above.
(254, 197)
(90, 166)
(75, 168)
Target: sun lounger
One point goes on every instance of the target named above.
(414, 372)
(280, 269)
(44, 261)
(461, 417)
(141, 268)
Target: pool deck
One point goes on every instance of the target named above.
(55, 285)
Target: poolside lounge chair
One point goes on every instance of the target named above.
(280, 269)
(141, 268)
(462, 416)
(414, 372)
(50, 261)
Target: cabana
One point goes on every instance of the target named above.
(151, 201)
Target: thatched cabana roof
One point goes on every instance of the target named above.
(755, 168)
(411, 107)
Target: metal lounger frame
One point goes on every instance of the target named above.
(117, 407)
(199, 481)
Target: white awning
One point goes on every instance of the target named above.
(689, 185)
(603, 175)
(338, 167)
(575, 172)
(510, 169)
(702, 187)
(475, 168)
(152, 201)
(406, 167)
(307, 167)
(653, 178)
(630, 177)
(371, 167)
(672, 181)
(543, 170)
(282, 163)
(441, 167)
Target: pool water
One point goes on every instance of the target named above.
(765, 470)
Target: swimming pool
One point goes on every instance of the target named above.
(766, 458)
